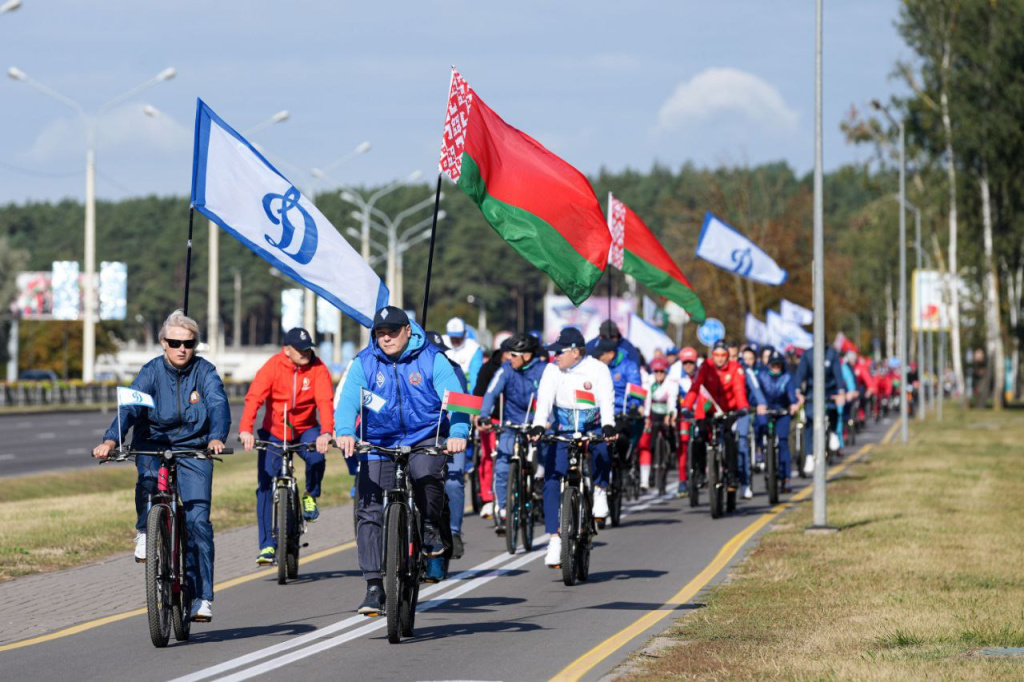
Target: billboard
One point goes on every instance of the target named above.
(33, 299)
(58, 294)
(113, 290)
(559, 312)
(928, 302)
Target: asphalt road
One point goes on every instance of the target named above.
(502, 617)
(49, 441)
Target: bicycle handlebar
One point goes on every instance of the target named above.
(291, 447)
(576, 437)
(117, 455)
(406, 450)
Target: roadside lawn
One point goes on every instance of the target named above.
(926, 572)
(54, 521)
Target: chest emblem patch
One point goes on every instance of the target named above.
(618, 376)
(380, 379)
(305, 383)
(193, 397)
(587, 385)
(728, 377)
(415, 378)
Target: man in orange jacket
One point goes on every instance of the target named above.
(297, 381)
(724, 380)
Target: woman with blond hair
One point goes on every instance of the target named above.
(190, 411)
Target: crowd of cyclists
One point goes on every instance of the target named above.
(647, 415)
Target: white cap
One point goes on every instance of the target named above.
(456, 327)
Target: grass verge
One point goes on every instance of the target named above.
(925, 572)
(60, 520)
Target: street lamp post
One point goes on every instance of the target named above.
(89, 289)
(903, 268)
(917, 311)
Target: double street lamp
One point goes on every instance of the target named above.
(903, 267)
(90, 121)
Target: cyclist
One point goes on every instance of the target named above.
(780, 393)
(743, 425)
(852, 394)
(572, 373)
(517, 380)
(834, 396)
(465, 351)
(627, 408)
(403, 379)
(454, 482)
(610, 330)
(659, 410)
(487, 439)
(724, 381)
(191, 411)
(687, 369)
(297, 381)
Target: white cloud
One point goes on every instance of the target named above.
(717, 92)
(124, 129)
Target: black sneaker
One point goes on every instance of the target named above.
(433, 545)
(458, 549)
(373, 604)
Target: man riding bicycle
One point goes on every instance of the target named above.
(294, 381)
(396, 386)
(682, 373)
(627, 408)
(723, 380)
(517, 380)
(780, 392)
(575, 395)
(835, 395)
(659, 413)
(191, 411)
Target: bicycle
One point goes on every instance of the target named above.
(168, 597)
(722, 464)
(799, 426)
(520, 500)
(624, 477)
(662, 436)
(403, 564)
(696, 468)
(576, 522)
(771, 456)
(288, 523)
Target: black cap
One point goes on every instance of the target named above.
(570, 337)
(609, 328)
(298, 338)
(435, 339)
(721, 344)
(390, 316)
(604, 346)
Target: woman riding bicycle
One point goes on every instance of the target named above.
(191, 411)
(659, 413)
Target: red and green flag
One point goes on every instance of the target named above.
(634, 391)
(462, 402)
(543, 207)
(586, 399)
(637, 252)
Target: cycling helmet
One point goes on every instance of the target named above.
(523, 343)
(659, 365)
(688, 354)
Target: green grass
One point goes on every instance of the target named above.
(55, 521)
(926, 570)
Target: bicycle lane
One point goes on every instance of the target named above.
(637, 568)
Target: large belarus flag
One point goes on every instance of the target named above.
(543, 207)
(637, 252)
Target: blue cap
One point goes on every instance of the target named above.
(570, 337)
(298, 338)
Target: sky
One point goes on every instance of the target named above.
(603, 84)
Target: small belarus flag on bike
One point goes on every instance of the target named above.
(586, 398)
(462, 402)
(638, 392)
(129, 396)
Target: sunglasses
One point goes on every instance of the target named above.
(720, 354)
(515, 354)
(689, 362)
(387, 331)
(178, 343)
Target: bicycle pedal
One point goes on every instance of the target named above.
(304, 544)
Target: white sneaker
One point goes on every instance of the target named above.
(140, 548)
(645, 476)
(487, 511)
(554, 556)
(833, 441)
(809, 464)
(600, 503)
(202, 611)
(747, 493)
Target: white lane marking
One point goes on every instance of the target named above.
(380, 623)
(74, 422)
(76, 451)
(7, 456)
(46, 435)
(469, 575)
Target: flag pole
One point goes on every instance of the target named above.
(188, 258)
(440, 415)
(607, 269)
(430, 257)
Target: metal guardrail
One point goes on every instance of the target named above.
(45, 393)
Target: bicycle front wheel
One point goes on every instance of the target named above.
(181, 617)
(662, 471)
(570, 528)
(716, 484)
(615, 493)
(395, 559)
(513, 505)
(771, 477)
(529, 512)
(283, 512)
(158, 574)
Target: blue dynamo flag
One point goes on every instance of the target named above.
(237, 188)
(723, 246)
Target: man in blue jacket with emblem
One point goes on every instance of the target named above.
(401, 379)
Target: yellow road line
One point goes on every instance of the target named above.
(582, 665)
(82, 627)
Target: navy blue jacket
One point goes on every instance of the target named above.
(779, 391)
(624, 345)
(519, 387)
(191, 407)
(625, 371)
(833, 374)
